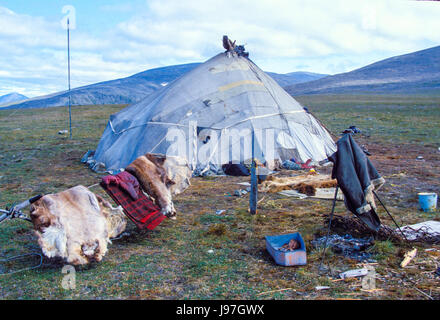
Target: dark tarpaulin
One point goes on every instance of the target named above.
(357, 178)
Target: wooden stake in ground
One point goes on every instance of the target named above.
(254, 186)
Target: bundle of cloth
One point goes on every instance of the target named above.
(124, 189)
(293, 165)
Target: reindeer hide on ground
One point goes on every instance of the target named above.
(179, 172)
(76, 225)
(161, 177)
(305, 184)
(152, 176)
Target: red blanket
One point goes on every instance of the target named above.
(124, 189)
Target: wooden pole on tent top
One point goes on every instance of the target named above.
(68, 77)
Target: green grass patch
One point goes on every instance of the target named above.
(201, 255)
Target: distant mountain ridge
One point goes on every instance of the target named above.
(413, 73)
(295, 77)
(417, 72)
(136, 87)
(119, 91)
(11, 97)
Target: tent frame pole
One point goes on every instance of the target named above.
(392, 218)
(331, 219)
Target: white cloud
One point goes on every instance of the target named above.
(288, 30)
(34, 57)
(281, 36)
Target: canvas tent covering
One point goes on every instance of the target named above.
(226, 93)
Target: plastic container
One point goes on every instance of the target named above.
(428, 201)
(296, 257)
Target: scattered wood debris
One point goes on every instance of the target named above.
(273, 291)
(354, 273)
(408, 257)
(319, 288)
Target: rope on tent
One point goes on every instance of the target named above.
(263, 116)
(144, 124)
(213, 128)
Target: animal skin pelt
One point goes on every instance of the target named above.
(179, 173)
(152, 176)
(75, 225)
(116, 221)
(306, 184)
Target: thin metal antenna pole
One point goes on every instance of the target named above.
(68, 75)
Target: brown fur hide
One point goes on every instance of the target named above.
(152, 176)
(179, 173)
(306, 184)
(75, 225)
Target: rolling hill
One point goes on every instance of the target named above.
(136, 87)
(413, 73)
(295, 77)
(119, 91)
(11, 97)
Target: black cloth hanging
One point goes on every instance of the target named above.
(357, 178)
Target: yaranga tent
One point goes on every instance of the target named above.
(207, 116)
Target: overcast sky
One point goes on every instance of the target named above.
(114, 39)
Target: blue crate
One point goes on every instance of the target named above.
(296, 257)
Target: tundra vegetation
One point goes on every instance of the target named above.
(202, 255)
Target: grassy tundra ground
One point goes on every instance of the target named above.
(203, 255)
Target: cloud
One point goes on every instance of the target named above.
(281, 36)
(34, 57)
(287, 30)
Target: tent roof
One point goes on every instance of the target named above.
(226, 92)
